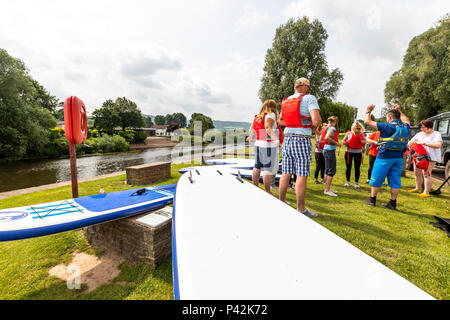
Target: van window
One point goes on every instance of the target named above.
(443, 127)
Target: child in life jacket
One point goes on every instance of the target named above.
(354, 141)
(320, 161)
(373, 151)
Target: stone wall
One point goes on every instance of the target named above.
(142, 238)
(145, 174)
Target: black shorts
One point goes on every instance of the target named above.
(330, 162)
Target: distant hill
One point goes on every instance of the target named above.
(221, 125)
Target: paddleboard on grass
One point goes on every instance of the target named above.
(59, 216)
(232, 240)
(241, 163)
(245, 173)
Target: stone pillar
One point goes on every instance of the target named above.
(142, 238)
(145, 174)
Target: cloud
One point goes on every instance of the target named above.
(251, 19)
(367, 40)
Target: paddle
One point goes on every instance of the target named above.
(438, 190)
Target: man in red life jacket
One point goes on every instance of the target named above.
(300, 115)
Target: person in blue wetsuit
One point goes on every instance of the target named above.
(389, 162)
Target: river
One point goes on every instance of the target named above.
(31, 173)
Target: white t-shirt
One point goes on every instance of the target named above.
(265, 144)
(433, 153)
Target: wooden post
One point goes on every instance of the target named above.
(73, 169)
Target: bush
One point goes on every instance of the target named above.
(128, 135)
(139, 137)
(107, 143)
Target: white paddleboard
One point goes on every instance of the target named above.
(241, 163)
(244, 173)
(59, 216)
(232, 240)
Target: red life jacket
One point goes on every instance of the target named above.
(420, 156)
(319, 143)
(290, 111)
(324, 134)
(373, 150)
(355, 141)
(260, 130)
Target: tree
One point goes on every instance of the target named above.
(148, 121)
(129, 114)
(180, 119)
(122, 113)
(298, 51)
(106, 118)
(344, 112)
(24, 119)
(422, 85)
(206, 121)
(160, 120)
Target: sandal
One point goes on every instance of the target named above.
(413, 191)
(424, 195)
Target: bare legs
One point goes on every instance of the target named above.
(300, 190)
(424, 178)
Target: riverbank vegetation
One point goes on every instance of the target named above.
(403, 240)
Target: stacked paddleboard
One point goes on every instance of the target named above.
(232, 240)
(233, 166)
(59, 216)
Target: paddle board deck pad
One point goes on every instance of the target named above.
(245, 173)
(241, 163)
(232, 240)
(59, 216)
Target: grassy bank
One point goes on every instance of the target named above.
(403, 240)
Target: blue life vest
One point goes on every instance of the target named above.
(398, 141)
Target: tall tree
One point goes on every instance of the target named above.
(129, 113)
(106, 118)
(24, 119)
(422, 85)
(180, 119)
(160, 120)
(206, 122)
(298, 51)
(122, 113)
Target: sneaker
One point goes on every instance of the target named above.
(389, 205)
(369, 202)
(291, 188)
(357, 185)
(316, 182)
(322, 181)
(274, 187)
(334, 191)
(330, 193)
(413, 191)
(347, 184)
(309, 214)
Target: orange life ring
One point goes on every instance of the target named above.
(75, 122)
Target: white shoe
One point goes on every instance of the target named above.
(330, 193)
(357, 185)
(347, 184)
(334, 191)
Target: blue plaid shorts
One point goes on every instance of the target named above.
(297, 155)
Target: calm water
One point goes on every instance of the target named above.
(25, 174)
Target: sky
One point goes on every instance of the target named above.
(202, 56)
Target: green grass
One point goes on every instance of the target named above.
(402, 240)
